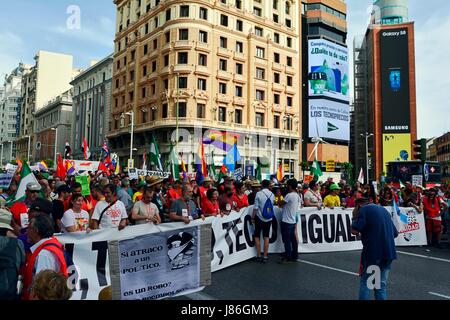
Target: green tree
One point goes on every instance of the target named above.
(348, 170)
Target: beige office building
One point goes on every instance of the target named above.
(229, 65)
(49, 77)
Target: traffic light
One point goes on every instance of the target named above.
(420, 150)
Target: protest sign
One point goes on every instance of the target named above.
(84, 181)
(134, 173)
(5, 180)
(160, 265)
(11, 168)
(82, 166)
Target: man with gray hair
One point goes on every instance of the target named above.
(184, 209)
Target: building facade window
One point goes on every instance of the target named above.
(201, 110)
(202, 59)
(259, 119)
(222, 114)
(238, 116)
(260, 52)
(184, 11)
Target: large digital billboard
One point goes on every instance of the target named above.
(328, 70)
(329, 119)
(395, 99)
(396, 147)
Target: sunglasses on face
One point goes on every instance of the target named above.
(33, 191)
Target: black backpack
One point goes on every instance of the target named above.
(9, 270)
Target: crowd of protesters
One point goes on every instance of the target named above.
(54, 206)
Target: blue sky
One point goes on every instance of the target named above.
(27, 26)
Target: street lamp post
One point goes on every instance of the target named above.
(1, 159)
(131, 114)
(29, 143)
(10, 151)
(56, 145)
(367, 136)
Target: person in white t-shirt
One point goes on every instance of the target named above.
(145, 211)
(290, 206)
(75, 219)
(313, 197)
(110, 213)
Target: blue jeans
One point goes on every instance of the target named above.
(288, 231)
(367, 278)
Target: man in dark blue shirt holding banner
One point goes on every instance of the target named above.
(374, 224)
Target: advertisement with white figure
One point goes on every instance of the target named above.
(328, 71)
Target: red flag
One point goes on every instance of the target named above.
(280, 172)
(103, 168)
(60, 169)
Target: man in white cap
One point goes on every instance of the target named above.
(32, 193)
(12, 250)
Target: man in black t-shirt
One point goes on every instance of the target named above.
(58, 206)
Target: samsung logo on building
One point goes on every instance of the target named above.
(394, 33)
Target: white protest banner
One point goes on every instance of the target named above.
(410, 226)
(5, 180)
(11, 168)
(231, 241)
(159, 265)
(134, 173)
(82, 166)
(90, 253)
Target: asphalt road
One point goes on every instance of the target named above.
(418, 274)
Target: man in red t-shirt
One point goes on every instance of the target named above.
(174, 193)
(206, 185)
(432, 206)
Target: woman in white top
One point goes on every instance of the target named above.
(313, 197)
(76, 219)
(145, 211)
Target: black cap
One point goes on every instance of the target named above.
(63, 188)
(42, 205)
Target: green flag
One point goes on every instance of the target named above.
(155, 156)
(26, 176)
(212, 167)
(259, 167)
(315, 169)
(174, 163)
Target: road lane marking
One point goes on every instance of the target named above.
(439, 295)
(331, 268)
(422, 256)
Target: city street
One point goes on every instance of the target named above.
(418, 274)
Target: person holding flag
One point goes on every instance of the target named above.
(315, 170)
(155, 156)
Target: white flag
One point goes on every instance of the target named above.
(361, 176)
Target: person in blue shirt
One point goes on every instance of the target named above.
(374, 224)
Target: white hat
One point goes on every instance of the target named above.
(5, 219)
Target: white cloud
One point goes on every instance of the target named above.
(102, 33)
(11, 48)
(433, 84)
